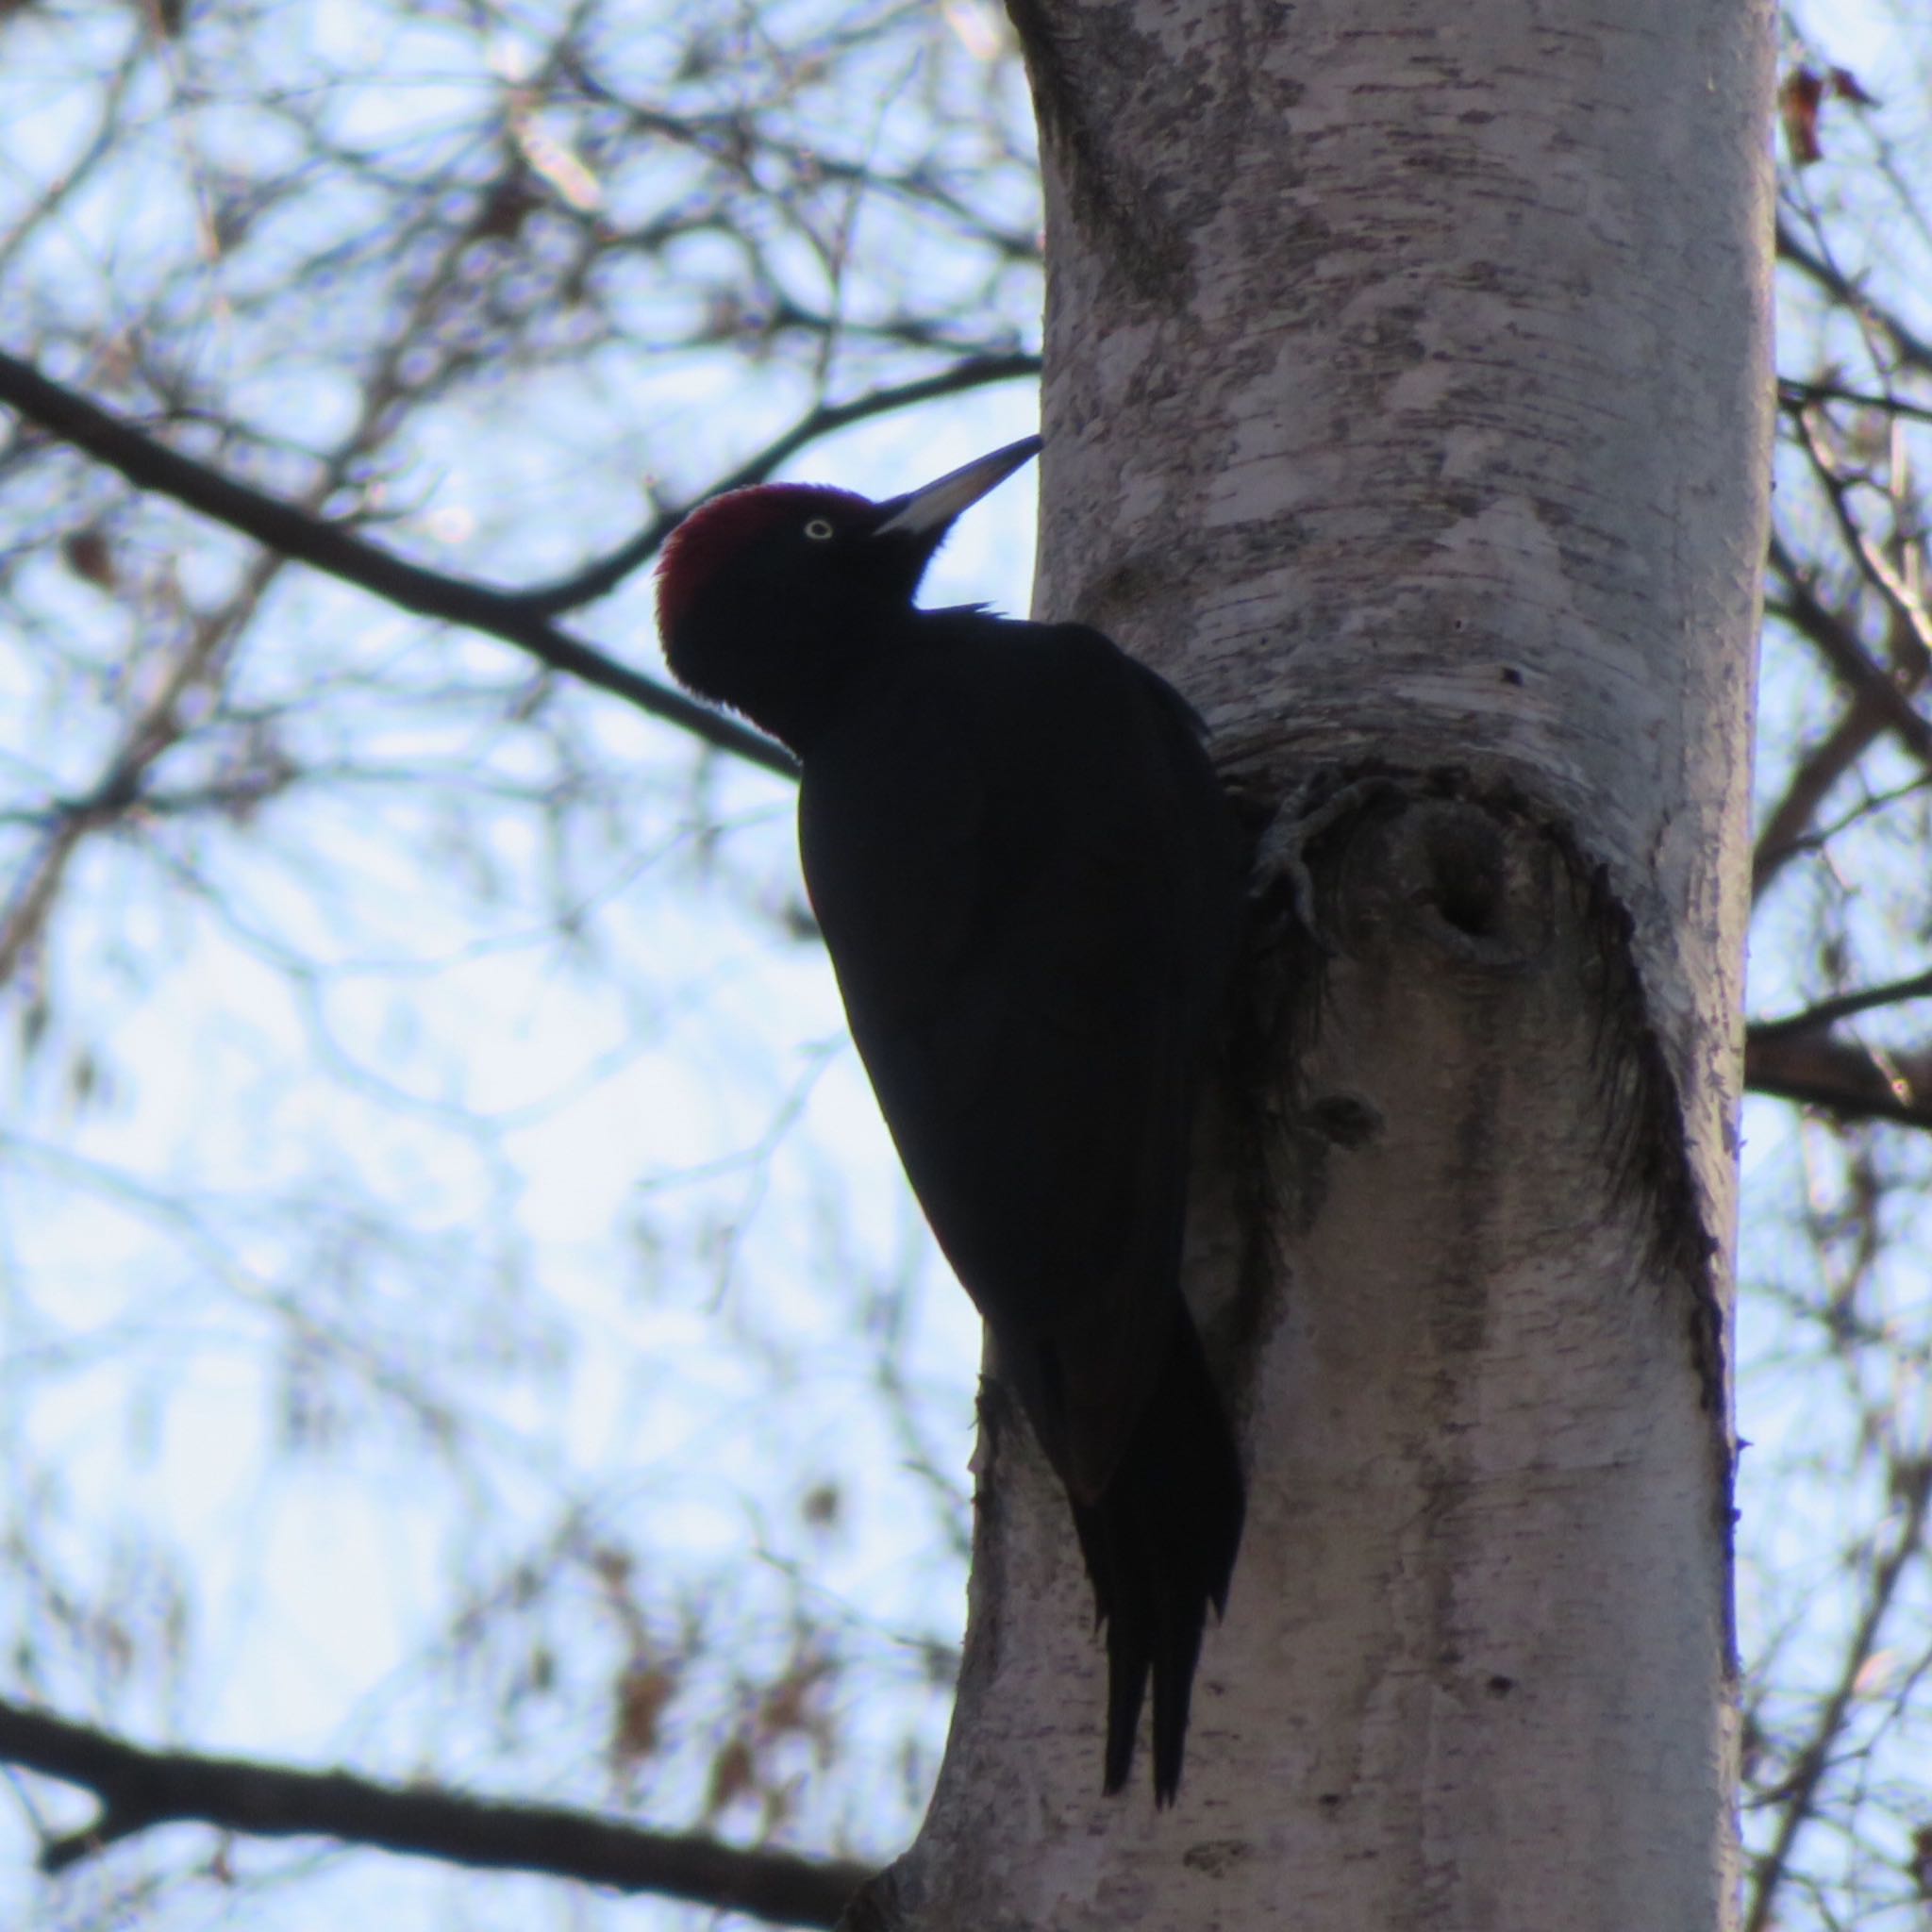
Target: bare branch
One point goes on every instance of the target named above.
(1828, 1012)
(1840, 1077)
(1855, 297)
(138, 1790)
(1795, 396)
(1799, 1792)
(149, 735)
(1788, 829)
(327, 546)
(1891, 582)
(1802, 609)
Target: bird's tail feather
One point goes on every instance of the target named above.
(1160, 1546)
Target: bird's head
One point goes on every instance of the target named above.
(760, 589)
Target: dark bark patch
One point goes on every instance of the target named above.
(1216, 1856)
(1106, 189)
(1644, 1131)
(1345, 1118)
(1457, 862)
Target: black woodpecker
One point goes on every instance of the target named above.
(1032, 888)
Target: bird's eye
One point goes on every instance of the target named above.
(819, 529)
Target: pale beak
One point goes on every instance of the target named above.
(927, 511)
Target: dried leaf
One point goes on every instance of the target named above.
(1844, 84)
(643, 1694)
(88, 556)
(1798, 102)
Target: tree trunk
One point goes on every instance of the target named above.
(1408, 402)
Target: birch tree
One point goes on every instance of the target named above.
(1407, 399)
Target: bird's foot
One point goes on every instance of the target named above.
(1299, 822)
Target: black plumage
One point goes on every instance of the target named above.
(1031, 888)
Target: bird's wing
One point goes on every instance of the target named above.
(1022, 865)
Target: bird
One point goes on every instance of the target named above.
(1032, 888)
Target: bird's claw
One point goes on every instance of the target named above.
(1299, 821)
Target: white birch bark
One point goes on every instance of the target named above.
(1408, 402)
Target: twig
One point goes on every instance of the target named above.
(1802, 609)
(1787, 830)
(1799, 1790)
(594, 579)
(1889, 581)
(1828, 1012)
